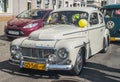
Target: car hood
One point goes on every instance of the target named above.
(54, 32)
(19, 22)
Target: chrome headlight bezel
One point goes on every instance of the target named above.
(15, 51)
(62, 53)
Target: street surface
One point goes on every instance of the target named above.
(99, 68)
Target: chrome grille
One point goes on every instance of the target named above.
(37, 53)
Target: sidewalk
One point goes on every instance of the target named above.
(2, 36)
(2, 24)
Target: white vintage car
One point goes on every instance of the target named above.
(70, 36)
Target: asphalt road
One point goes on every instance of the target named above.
(99, 68)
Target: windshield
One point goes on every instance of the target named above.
(67, 17)
(112, 12)
(32, 14)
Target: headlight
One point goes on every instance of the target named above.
(31, 25)
(14, 49)
(52, 57)
(62, 53)
(16, 52)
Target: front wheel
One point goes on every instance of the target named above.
(105, 45)
(79, 63)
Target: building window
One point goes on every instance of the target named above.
(46, 3)
(39, 3)
(103, 3)
(59, 4)
(67, 4)
(82, 3)
(3, 5)
(29, 5)
(74, 4)
(53, 3)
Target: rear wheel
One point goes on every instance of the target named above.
(79, 63)
(10, 38)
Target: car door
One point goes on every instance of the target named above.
(95, 32)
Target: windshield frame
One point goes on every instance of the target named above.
(68, 17)
(32, 14)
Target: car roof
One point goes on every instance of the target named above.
(84, 9)
(113, 6)
(42, 9)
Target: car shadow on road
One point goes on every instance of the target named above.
(100, 73)
(115, 42)
(4, 38)
(6, 67)
(92, 72)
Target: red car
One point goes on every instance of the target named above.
(26, 22)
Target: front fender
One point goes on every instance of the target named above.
(18, 41)
(72, 46)
(107, 33)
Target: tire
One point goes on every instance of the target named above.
(79, 63)
(10, 38)
(105, 45)
(108, 38)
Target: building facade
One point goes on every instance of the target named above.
(94, 3)
(113, 2)
(10, 8)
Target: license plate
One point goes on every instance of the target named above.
(32, 65)
(13, 32)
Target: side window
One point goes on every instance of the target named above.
(101, 18)
(94, 19)
(108, 13)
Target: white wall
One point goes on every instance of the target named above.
(113, 2)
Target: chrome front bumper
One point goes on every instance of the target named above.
(48, 66)
(58, 67)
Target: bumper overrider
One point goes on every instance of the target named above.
(114, 39)
(47, 66)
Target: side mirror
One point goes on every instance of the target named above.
(82, 23)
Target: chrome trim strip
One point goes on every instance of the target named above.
(44, 47)
(14, 62)
(83, 30)
(81, 45)
(43, 39)
(96, 28)
(74, 32)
